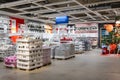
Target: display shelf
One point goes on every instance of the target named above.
(79, 46)
(7, 50)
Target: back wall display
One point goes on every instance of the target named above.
(15, 24)
(103, 33)
(4, 24)
(87, 30)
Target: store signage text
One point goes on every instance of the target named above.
(86, 28)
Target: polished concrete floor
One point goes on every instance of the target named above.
(88, 66)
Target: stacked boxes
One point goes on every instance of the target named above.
(29, 53)
(46, 55)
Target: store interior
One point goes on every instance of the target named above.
(59, 39)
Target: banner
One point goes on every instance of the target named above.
(13, 26)
(87, 30)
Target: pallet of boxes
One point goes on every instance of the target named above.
(64, 51)
(79, 47)
(30, 54)
(46, 55)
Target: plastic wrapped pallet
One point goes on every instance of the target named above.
(53, 48)
(64, 51)
(46, 55)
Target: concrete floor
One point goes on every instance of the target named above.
(88, 66)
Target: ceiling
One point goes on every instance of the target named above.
(78, 10)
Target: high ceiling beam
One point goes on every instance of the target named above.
(59, 3)
(98, 14)
(102, 2)
(110, 21)
(24, 17)
(90, 16)
(56, 11)
(16, 3)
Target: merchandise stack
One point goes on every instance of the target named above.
(64, 51)
(7, 50)
(29, 53)
(79, 46)
(10, 61)
(53, 48)
(79, 43)
(46, 55)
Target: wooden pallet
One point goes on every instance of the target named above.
(10, 67)
(65, 58)
(1, 59)
(47, 64)
(29, 69)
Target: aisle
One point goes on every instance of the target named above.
(88, 66)
(93, 52)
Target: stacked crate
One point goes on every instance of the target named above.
(46, 55)
(29, 53)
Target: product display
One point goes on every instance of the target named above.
(46, 55)
(79, 46)
(59, 39)
(35, 27)
(71, 28)
(29, 53)
(10, 61)
(7, 50)
(64, 51)
(4, 24)
(53, 48)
